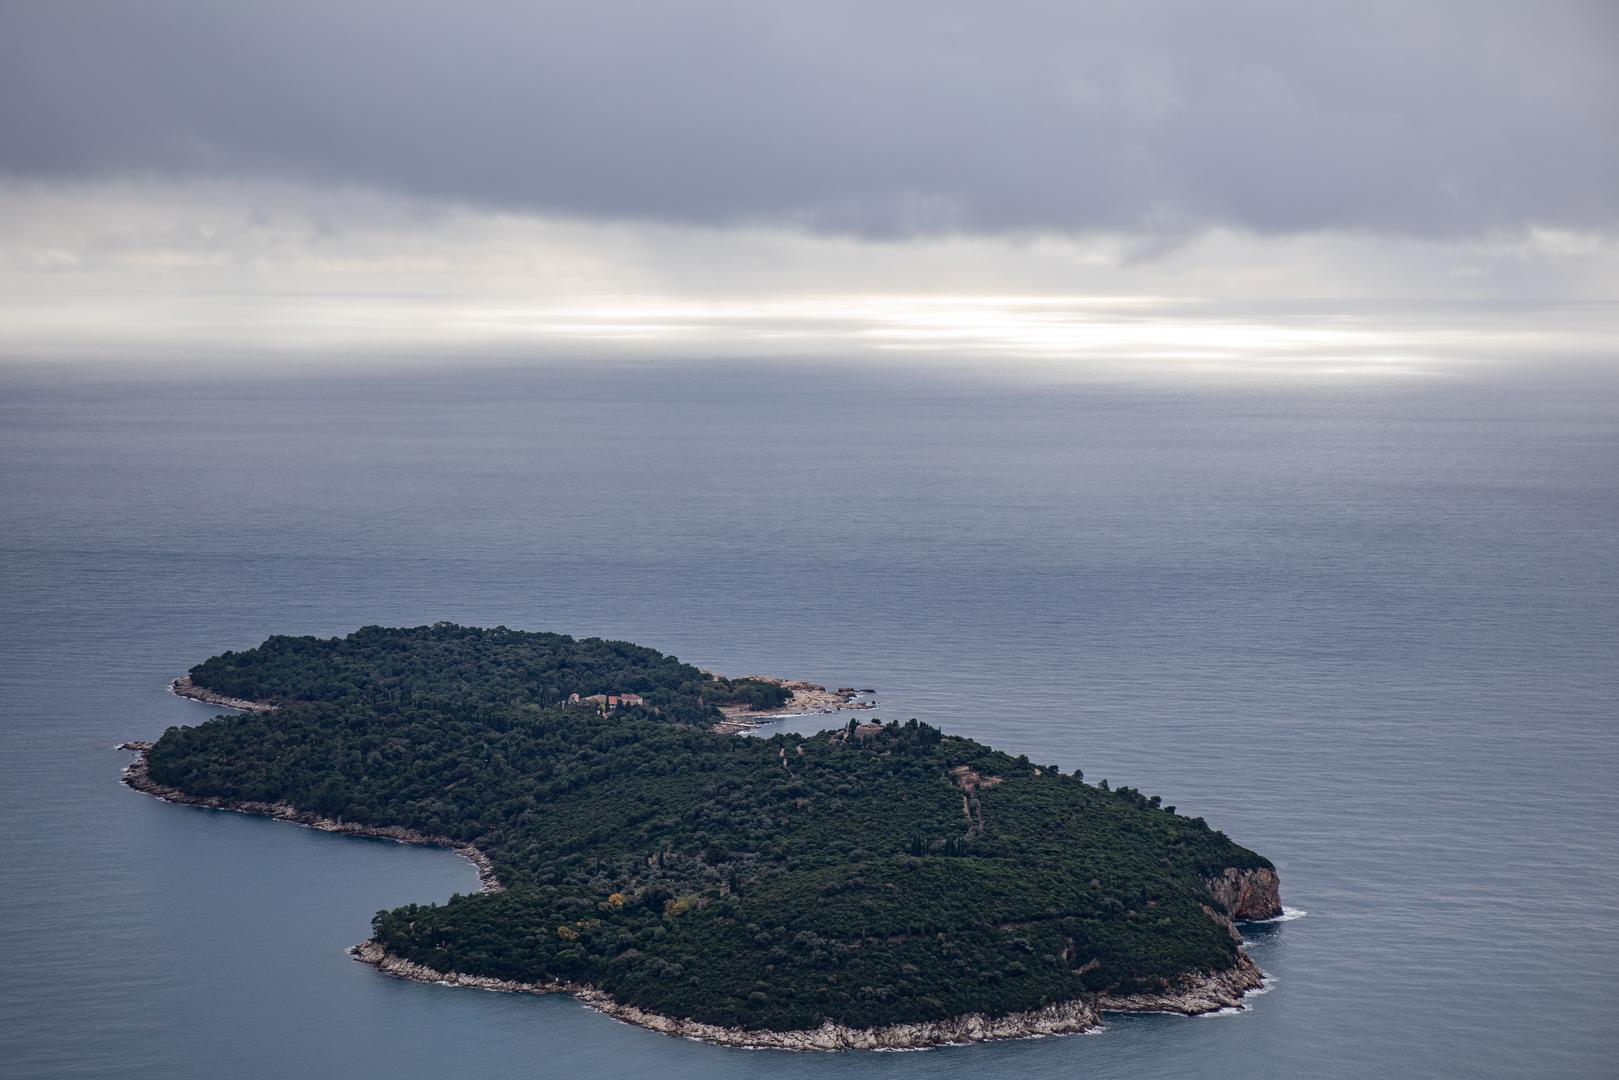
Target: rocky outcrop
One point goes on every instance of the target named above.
(1247, 895)
(1195, 994)
(807, 697)
(371, 952)
(184, 687)
(139, 777)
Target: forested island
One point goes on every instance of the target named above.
(873, 885)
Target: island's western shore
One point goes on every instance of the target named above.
(184, 687)
(1203, 992)
(139, 777)
(807, 698)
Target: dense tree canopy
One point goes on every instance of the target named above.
(870, 875)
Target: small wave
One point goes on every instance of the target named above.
(1288, 915)
(1267, 984)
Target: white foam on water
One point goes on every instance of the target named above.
(1288, 915)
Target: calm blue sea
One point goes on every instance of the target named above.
(1369, 628)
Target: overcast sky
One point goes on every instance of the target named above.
(190, 152)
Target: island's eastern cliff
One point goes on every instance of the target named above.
(1248, 895)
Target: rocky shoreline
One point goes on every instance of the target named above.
(808, 698)
(1244, 894)
(138, 777)
(1194, 995)
(184, 687)
(1203, 992)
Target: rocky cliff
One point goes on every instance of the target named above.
(1248, 894)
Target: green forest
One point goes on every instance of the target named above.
(871, 874)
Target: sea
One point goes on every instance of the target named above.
(1367, 625)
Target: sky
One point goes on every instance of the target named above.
(1176, 183)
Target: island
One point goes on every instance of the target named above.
(877, 885)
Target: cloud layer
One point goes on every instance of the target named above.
(881, 120)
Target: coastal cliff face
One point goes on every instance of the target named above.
(1248, 894)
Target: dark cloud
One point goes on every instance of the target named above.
(883, 119)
